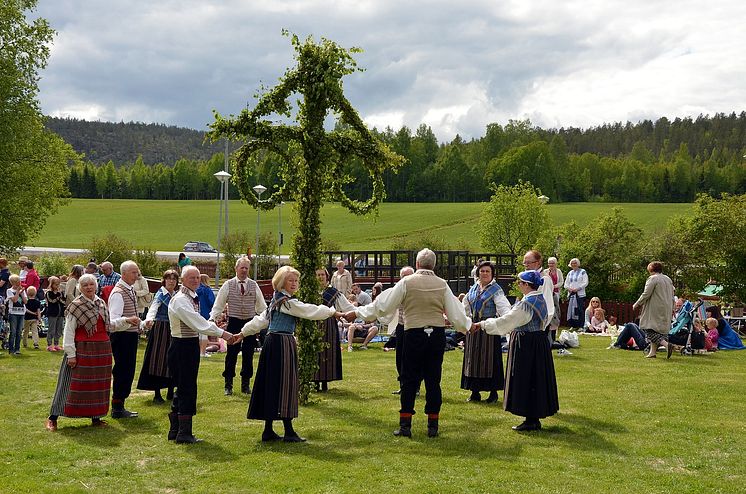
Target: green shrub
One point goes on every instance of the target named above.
(150, 265)
(110, 247)
(53, 265)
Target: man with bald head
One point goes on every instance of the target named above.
(108, 276)
(125, 334)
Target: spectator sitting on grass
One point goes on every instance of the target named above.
(598, 322)
(590, 311)
(361, 329)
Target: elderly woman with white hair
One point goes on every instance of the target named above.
(575, 283)
(84, 380)
(275, 393)
(558, 280)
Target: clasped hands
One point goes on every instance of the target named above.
(347, 316)
(475, 327)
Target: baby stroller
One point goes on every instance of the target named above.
(681, 329)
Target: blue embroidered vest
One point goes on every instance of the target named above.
(537, 306)
(483, 303)
(279, 322)
(164, 299)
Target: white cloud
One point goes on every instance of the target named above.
(454, 66)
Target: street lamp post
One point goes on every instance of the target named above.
(259, 189)
(279, 236)
(223, 177)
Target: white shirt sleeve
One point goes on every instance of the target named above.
(261, 305)
(68, 336)
(116, 307)
(455, 312)
(547, 289)
(501, 302)
(384, 305)
(220, 300)
(153, 310)
(303, 310)
(258, 323)
(505, 324)
(184, 310)
(342, 304)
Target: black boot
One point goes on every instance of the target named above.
(173, 418)
(170, 393)
(432, 425)
(290, 435)
(475, 396)
(157, 398)
(324, 387)
(119, 412)
(405, 426)
(228, 386)
(492, 398)
(246, 385)
(185, 436)
(269, 434)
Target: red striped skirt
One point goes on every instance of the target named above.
(90, 380)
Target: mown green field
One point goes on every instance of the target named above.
(167, 225)
(626, 425)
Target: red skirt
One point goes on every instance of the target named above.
(90, 380)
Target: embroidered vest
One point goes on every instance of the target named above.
(186, 331)
(279, 322)
(423, 302)
(241, 306)
(130, 303)
(164, 299)
(537, 306)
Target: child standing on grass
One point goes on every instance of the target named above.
(32, 317)
(16, 300)
(55, 314)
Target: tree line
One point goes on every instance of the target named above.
(661, 161)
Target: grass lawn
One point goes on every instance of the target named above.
(161, 225)
(626, 424)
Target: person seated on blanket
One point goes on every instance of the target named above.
(360, 329)
(594, 304)
(598, 323)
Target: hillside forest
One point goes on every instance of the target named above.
(649, 161)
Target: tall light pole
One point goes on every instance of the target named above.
(223, 177)
(279, 237)
(259, 189)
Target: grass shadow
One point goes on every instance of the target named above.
(207, 451)
(101, 437)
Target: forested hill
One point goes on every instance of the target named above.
(121, 143)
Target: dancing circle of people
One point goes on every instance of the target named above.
(101, 337)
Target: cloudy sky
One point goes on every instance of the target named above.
(455, 66)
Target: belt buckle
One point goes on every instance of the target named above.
(428, 331)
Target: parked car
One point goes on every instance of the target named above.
(193, 246)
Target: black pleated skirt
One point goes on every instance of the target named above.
(330, 359)
(155, 374)
(482, 369)
(531, 385)
(275, 393)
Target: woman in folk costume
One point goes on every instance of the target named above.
(275, 393)
(330, 358)
(84, 381)
(483, 363)
(531, 385)
(155, 375)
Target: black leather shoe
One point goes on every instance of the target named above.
(246, 387)
(526, 426)
(273, 436)
(123, 414)
(669, 351)
(294, 439)
(475, 396)
(397, 392)
(158, 399)
(228, 391)
(432, 432)
(492, 398)
(403, 432)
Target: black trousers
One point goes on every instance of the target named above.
(422, 358)
(399, 335)
(124, 350)
(183, 362)
(246, 348)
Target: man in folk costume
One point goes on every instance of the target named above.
(183, 354)
(425, 298)
(245, 300)
(532, 261)
(84, 380)
(125, 336)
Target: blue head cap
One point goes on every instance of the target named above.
(531, 277)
